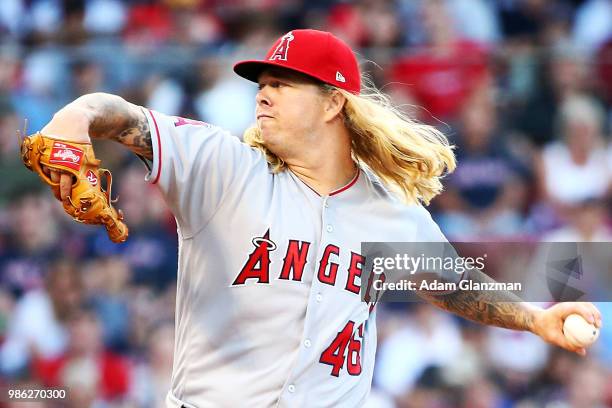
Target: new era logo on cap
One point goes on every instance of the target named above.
(318, 54)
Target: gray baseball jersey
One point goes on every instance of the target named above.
(268, 311)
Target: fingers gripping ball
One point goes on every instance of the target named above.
(88, 202)
(578, 331)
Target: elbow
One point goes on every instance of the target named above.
(95, 99)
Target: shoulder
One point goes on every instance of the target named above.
(379, 191)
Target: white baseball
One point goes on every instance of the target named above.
(579, 332)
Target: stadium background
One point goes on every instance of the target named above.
(522, 87)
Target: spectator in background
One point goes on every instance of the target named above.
(150, 252)
(603, 64)
(381, 26)
(483, 393)
(515, 374)
(587, 221)
(147, 309)
(563, 76)
(37, 324)
(347, 21)
(31, 241)
(9, 71)
(148, 24)
(14, 180)
(164, 94)
(551, 380)
(522, 20)
(604, 347)
(87, 77)
(575, 168)
(372, 23)
(38, 95)
(476, 20)
(86, 368)
(221, 89)
(442, 76)
(486, 194)
(105, 17)
(107, 285)
(11, 17)
(593, 24)
(152, 376)
(430, 338)
(587, 387)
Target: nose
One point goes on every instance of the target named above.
(262, 98)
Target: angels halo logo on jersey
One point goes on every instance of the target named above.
(258, 263)
(92, 178)
(280, 53)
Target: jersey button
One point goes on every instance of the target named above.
(291, 388)
(307, 343)
(329, 228)
(319, 297)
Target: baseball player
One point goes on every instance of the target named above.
(268, 308)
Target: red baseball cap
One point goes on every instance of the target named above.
(318, 54)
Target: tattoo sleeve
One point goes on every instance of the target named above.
(496, 308)
(113, 118)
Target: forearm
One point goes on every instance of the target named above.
(496, 308)
(103, 116)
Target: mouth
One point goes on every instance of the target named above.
(264, 116)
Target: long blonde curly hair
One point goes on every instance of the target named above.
(409, 157)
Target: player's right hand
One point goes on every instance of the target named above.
(64, 179)
(71, 125)
(548, 323)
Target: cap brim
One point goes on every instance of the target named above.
(252, 69)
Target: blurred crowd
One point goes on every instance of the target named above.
(523, 88)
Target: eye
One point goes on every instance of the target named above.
(273, 84)
(277, 84)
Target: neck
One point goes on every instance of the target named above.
(326, 166)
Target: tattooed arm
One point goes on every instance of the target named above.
(103, 116)
(496, 308)
(99, 116)
(505, 309)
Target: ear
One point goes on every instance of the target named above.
(333, 105)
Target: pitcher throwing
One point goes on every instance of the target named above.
(268, 307)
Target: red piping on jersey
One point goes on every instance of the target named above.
(159, 148)
(349, 185)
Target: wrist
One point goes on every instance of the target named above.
(71, 123)
(536, 316)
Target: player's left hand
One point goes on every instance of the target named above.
(548, 323)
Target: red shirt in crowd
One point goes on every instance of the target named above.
(441, 83)
(113, 374)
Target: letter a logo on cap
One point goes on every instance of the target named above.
(280, 53)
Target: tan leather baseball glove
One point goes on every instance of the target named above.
(88, 202)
